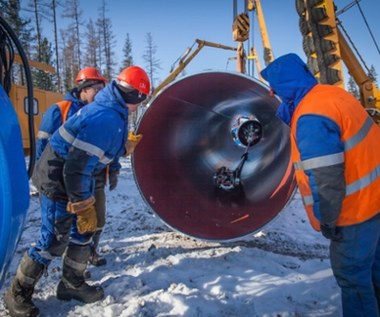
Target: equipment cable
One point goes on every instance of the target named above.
(350, 5)
(353, 45)
(7, 37)
(369, 29)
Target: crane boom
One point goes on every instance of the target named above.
(186, 59)
(268, 53)
(369, 94)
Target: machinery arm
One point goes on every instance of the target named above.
(268, 54)
(186, 59)
(369, 93)
(327, 49)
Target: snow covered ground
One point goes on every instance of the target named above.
(281, 271)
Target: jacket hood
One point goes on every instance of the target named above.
(290, 78)
(110, 97)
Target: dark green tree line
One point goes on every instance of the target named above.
(80, 43)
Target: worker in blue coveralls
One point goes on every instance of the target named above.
(87, 142)
(89, 82)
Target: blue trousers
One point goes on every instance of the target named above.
(355, 261)
(58, 229)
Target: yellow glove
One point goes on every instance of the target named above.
(86, 215)
(133, 140)
(87, 221)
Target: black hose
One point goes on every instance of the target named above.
(4, 26)
(6, 61)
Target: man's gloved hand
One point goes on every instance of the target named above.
(133, 140)
(87, 221)
(112, 179)
(86, 215)
(331, 232)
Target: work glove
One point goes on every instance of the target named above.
(86, 215)
(112, 179)
(133, 140)
(331, 232)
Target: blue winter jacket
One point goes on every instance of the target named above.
(316, 135)
(291, 80)
(52, 120)
(91, 139)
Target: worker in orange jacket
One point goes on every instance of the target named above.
(337, 167)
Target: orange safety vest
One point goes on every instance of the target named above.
(361, 137)
(64, 107)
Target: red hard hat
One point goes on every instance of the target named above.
(89, 73)
(136, 78)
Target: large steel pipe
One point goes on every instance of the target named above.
(214, 161)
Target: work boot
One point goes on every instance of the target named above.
(72, 284)
(18, 301)
(18, 298)
(87, 275)
(84, 293)
(95, 259)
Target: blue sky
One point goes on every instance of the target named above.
(176, 24)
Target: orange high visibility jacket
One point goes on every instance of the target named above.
(64, 107)
(361, 154)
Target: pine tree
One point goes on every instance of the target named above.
(99, 39)
(22, 29)
(151, 62)
(372, 74)
(42, 79)
(38, 8)
(53, 7)
(127, 51)
(91, 54)
(74, 13)
(108, 41)
(352, 88)
(70, 68)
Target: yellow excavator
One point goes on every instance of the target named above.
(327, 49)
(42, 99)
(324, 43)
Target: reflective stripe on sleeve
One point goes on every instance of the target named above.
(43, 135)
(88, 148)
(353, 187)
(308, 200)
(360, 135)
(66, 135)
(321, 161)
(85, 146)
